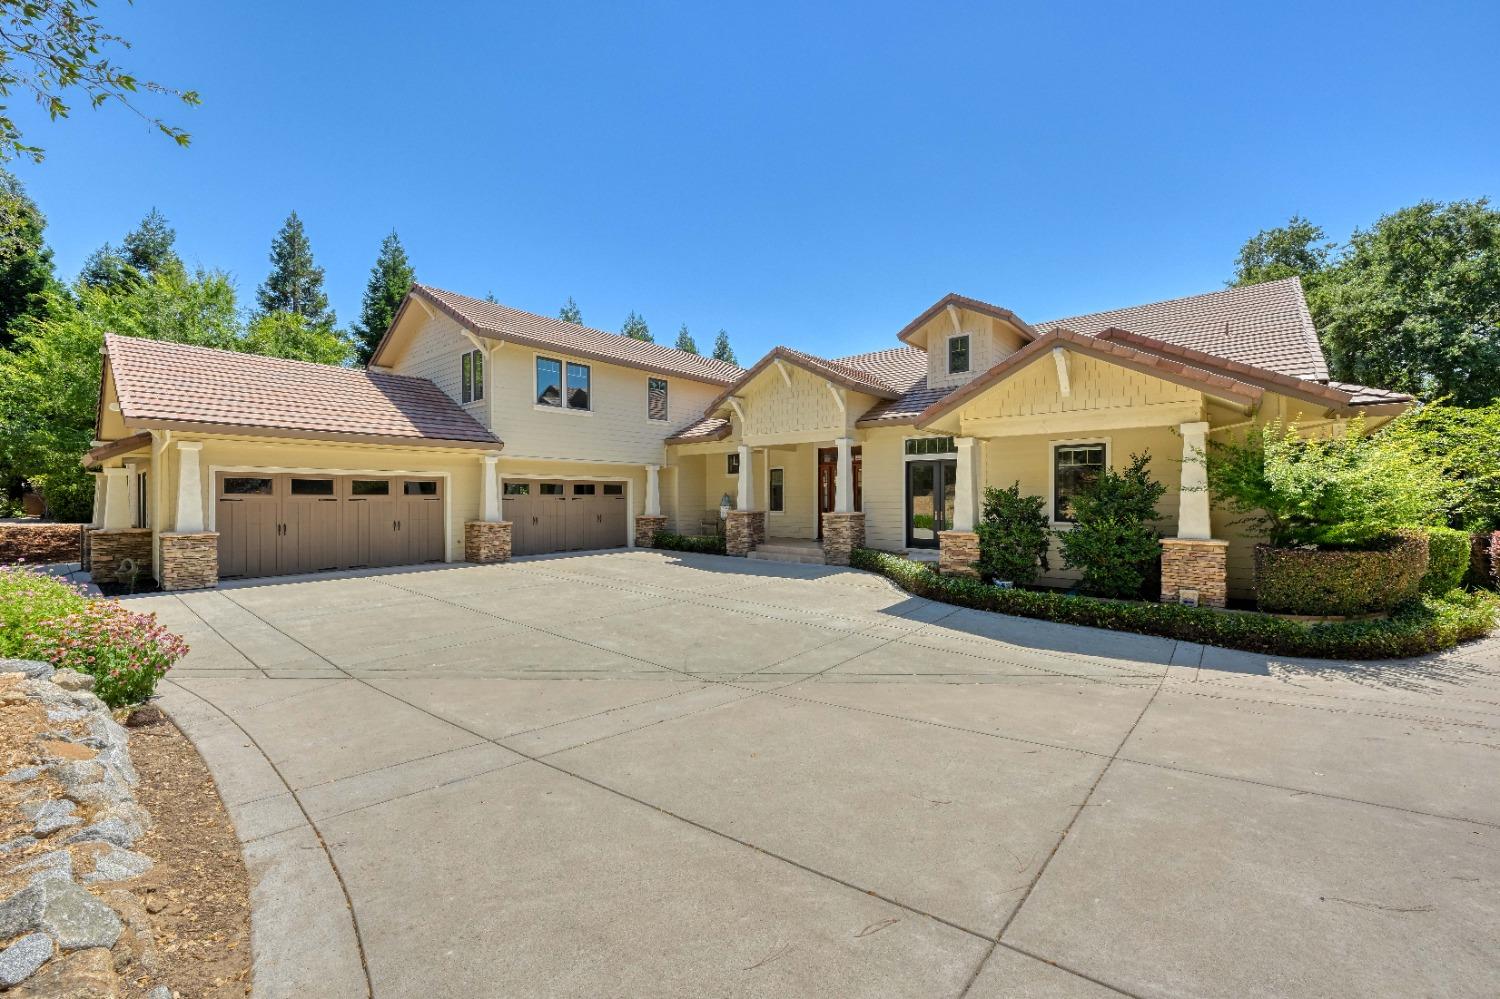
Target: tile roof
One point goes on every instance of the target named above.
(857, 379)
(1263, 325)
(1363, 395)
(906, 368)
(168, 384)
(964, 302)
(710, 428)
(503, 323)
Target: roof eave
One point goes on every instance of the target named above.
(291, 433)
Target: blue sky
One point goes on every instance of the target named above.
(809, 174)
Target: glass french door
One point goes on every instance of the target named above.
(929, 501)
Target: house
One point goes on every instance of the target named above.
(480, 432)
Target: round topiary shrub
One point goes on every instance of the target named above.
(1340, 581)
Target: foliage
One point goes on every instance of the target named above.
(1412, 303)
(1013, 535)
(126, 653)
(1111, 540)
(25, 260)
(1463, 442)
(390, 279)
(635, 327)
(286, 334)
(51, 47)
(685, 341)
(1347, 487)
(722, 350)
(295, 283)
(1448, 553)
(569, 313)
(1423, 625)
(147, 250)
(1341, 581)
(708, 544)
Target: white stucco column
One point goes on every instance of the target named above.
(653, 490)
(189, 488)
(843, 476)
(97, 520)
(116, 499)
(489, 489)
(746, 499)
(966, 486)
(1192, 499)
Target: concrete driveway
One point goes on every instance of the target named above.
(641, 774)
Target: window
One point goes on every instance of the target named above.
(958, 354)
(518, 489)
(931, 445)
(548, 382)
(578, 386)
(425, 487)
(369, 487)
(312, 487)
(656, 398)
(235, 486)
(778, 490)
(142, 509)
(551, 489)
(1074, 466)
(471, 376)
(583, 489)
(732, 466)
(614, 489)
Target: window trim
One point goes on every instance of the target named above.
(471, 370)
(771, 490)
(968, 340)
(666, 399)
(1052, 446)
(931, 455)
(562, 406)
(567, 403)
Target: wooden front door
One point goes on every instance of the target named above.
(828, 477)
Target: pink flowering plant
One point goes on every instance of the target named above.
(45, 618)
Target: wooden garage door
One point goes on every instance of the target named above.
(277, 524)
(565, 516)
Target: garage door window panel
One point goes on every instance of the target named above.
(246, 486)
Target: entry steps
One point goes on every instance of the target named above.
(796, 550)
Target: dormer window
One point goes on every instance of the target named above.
(958, 354)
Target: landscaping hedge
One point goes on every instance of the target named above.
(1340, 581)
(709, 544)
(1422, 625)
(1447, 560)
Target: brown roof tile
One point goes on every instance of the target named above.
(852, 378)
(172, 384)
(710, 428)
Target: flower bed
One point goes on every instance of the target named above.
(42, 617)
(1421, 625)
(1340, 581)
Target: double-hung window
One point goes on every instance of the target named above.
(548, 382)
(551, 389)
(580, 391)
(656, 398)
(958, 354)
(1074, 466)
(471, 375)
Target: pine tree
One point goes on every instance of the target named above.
(25, 261)
(685, 340)
(722, 350)
(390, 279)
(635, 327)
(570, 312)
(295, 283)
(151, 247)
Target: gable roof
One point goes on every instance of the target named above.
(835, 371)
(1263, 325)
(964, 302)
(163, 384)
(499, 322)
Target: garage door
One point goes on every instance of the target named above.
(276, 524)
(565, 516)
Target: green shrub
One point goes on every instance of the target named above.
(1342, 581)
(1346, 488)
(1422, 625)
(27, 598)
(709, 544)
(1463, 443)
(1013, 535)
(1111, 541)
(1448, 553)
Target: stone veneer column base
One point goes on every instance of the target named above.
(842, 533)
(487, 541)
(743, 531)
(958, 553)
(1193, 564)
(109, 548)
(189, 561)
(647, 526)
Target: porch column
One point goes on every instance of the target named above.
(116, 499)
(97, 520)
(651, 523)
(843, 488)
(746, 500)
(958, 547)
(653, 490)
(746, 526)
(189, 489)
(1194, 565)
(488, 538)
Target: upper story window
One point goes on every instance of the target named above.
(1074, 466)
(732, 464)
(471, 375)
(656, 398)
(549, 384)
(958, 354)
(579, 382)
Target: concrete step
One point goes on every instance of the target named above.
(801, 556)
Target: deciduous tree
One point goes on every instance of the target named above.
(25, 260)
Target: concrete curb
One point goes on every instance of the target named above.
(302, 934)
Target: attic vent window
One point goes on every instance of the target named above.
(958, 354)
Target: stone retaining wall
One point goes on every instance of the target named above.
(40, 541)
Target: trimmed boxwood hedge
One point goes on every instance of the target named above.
(1340, 581)
(1422, 625)
(1447, 559)
(701, 544)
